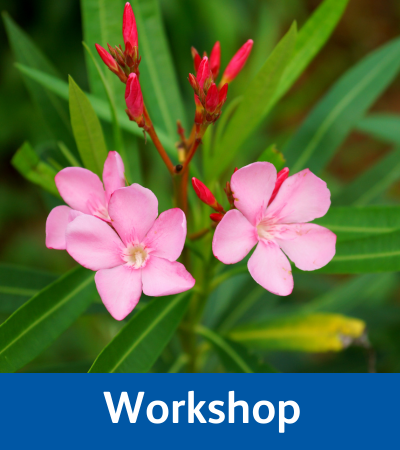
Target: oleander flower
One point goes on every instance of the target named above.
(137, 253)
(84, 192)
(277, 228)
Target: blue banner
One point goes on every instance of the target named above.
(204, 411)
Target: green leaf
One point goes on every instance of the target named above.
(256, 103)
(18, 284)
(372, 183)
(39, 322)
(87, 130)
(274, 156)
(311, 38)
(234, 357)
(381, 126)
(350, 223)
(54, 112)
(309, 333)
(29, 165)
(68, 155)
(373, 254)
(100, 106)
(330, 122)
(137, 346)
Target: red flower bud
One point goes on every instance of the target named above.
(223, 92)
(216, 217)
(203, 73)
(110, 62)
(237, 62)
(212, 98)
(193, 82)
(281, 177)
(134, 98)
(205, 195)
(215, 60)
(129, 30)
(196, 59)
(198, 117)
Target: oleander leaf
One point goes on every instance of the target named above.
(39, 322)
(381, 126)
(137, 346)
(274, 156)
(332, 119)
(304, 333)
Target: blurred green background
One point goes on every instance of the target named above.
(56, 29)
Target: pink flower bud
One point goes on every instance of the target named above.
(215, 59)
(129, 30)
(212, 99)
(196, 59)
(237, 62)
(223, 92)
(203, 72)
(216, 217)
(108, 60)
(134, 98)
(281, 177)
(205, 195)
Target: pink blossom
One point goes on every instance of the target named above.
(83, 191)
(138, 253)
(278, 227)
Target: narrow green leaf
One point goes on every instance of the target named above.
(234, 357)
(381, 126)
(373, 254)
(256, 103)
(101, 107)
(311, 38)
(68, 155)
(274, 156)
(350, 223)
(29, 165)
(87, 130)
(54, 112)
(309, 333)
(39, 322)
(137, 346)
(18, 284)
(372, 183)
(330, 122)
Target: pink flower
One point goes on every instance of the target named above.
(280, 225)
(83, 191)
(129, 31)
(134, 98)
(237, 62)
(138, 253)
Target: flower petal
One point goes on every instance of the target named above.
(93, 243)
(56, 226)
(302, 197)
(120, 289)
(271, 269)
(233, 238)
(252, 188)
(166, 237)
(113, 174)
(81, 189)
(133, 210)
(163, 277)
(308, 245)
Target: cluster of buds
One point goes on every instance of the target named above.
(121, 62)
(207, 197)
(209, 98)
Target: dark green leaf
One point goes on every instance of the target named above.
(274, 156)
(381, 126)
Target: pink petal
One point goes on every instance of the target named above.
(233, 238)
(93, 243)
(271, 269)
(81, 189)
(56, 225)
(120, 289)
(302, 197)
(252, 187)
(133, 210)
(166, 237)
(308, 245)
(113, 174)
(163, 277)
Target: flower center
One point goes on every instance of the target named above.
(265, 230)
(136, 255)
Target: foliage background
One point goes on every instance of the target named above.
(56, 28)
